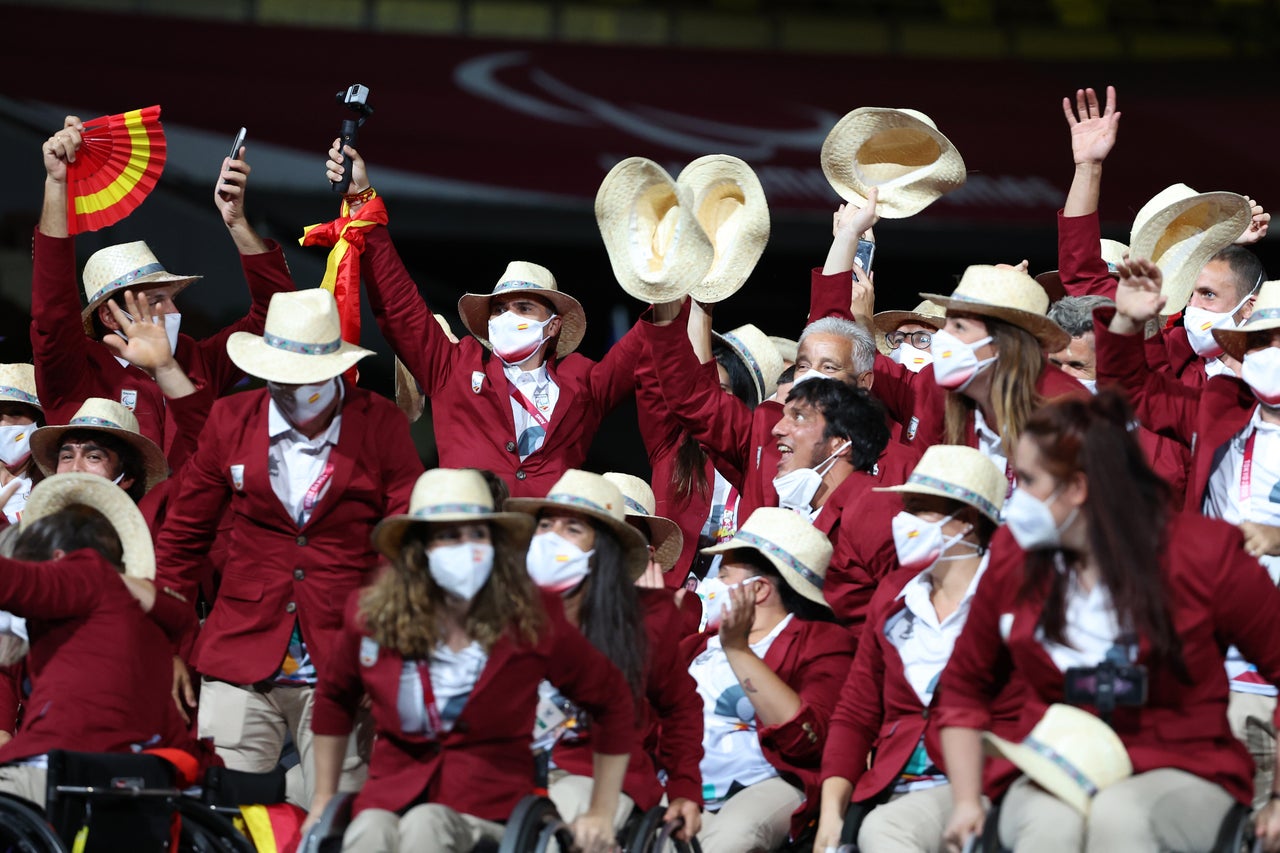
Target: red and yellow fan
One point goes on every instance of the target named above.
(119, 162)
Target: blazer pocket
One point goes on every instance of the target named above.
(241, 588)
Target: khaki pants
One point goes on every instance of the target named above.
(248, 727)
(908, 823)
(1250, 717)
(754, 820)
(25, 781)
(572, 797)
(425, 827)
(1160, 811)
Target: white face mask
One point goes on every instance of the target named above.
(304, 403)
(955, 365)
(1200, 324)
(555, 563)
(809, 374)
(15, 444)
(1031, 522)
(920, 543)
(716, 601)
(172, 322)
(515, 338)
(461, 569)
(1261, 372)
(911, 358)
(796, 488)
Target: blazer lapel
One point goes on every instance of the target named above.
(564, 404)
(257, 473)
(501, 393)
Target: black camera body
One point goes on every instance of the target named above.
(1107, 686)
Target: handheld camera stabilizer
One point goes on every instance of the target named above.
(356, 98)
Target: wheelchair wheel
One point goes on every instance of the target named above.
(1236, 833)
(525, 826)
(23, 828)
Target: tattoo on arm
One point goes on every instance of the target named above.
(749, 686)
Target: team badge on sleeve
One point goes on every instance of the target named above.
(477, 379)
(237, 477)
(129, 398)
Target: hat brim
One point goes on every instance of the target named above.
(64, 490)
(256, 357)
(918, 489)
(665, 537)
(731, 265)
(146, 282)
(389, 533)
(889, 321)
(47, 439)
(473, 310)
(794, 579)
(1181, 266)
(764, 383)
(635, 548)
(1051, 336)
(1235, 341)
(1040, 770)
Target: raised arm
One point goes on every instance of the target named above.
(1093, 135)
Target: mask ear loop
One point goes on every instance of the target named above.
(829, 463)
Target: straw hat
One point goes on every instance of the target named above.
(1112, 253)
(1070, 753)
(1006, 294)
(1180, 230)
(124, 265)
(960, 473)
(664, 535)
(60, 491)
(786, 348)
(898, 150)
(926, 314)
(450, 495)
(593, 496)
(1265, 316)
(524, 277)
(729, 204)
(18, 385)
(98, 414)
(301, 343)
(758, 354)
(798, 550)
(656, 246)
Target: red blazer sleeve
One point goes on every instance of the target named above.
(673, 695)
(339, 688)
(1245, 601)
(613, 378)
(856, 721)
(1080, 264)
(189, 414)
(1162, 403)
(399, 459)
(824, 666)
(59, 346)
(57, 589)
(829, 295)
(894, 385)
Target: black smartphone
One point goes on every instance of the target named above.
(865, 255)
(237, 145)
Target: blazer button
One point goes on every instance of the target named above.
(290, 607)
(924, 715)
(301, 540)
(520, 475)
(299, 574)
(511, 447)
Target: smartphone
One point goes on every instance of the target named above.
(865, 255)
(237, 145)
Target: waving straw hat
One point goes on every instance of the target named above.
(595, 497)
(798, 550)
(115, 268)
(64, 490)
(98, 414)
(900, 151)
(301, 343)
(535, 280)
(758, 354)
(1180, 230)
(454, 496)
(656, 246)
(665, 536)
(960, 473)
(1265, 317)
(1006, 294)
(729, 204)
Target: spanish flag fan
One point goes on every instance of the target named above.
(118, 164)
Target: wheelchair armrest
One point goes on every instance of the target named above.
(332, 824)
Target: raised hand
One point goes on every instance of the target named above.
(851, 220)
(739, 616)
(145, 343)
(336, 166)
(1259, 222)
(228, 195)
(1093, 129)
(60, 149)
(1138, 297)
(862, 303)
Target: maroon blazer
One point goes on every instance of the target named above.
(1218, 596)
(859, 523)
(1080, 264)
(484, 764)
(71, 367)
(469, 393)
(277, 570)
(100, 670)
(880, 713)
(672, 717)
(1202, 419)
(813, 658)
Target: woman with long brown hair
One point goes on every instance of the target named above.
(450, 644)
(1096, 585)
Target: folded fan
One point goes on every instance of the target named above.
(119, 162)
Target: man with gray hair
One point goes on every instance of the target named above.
(1078, 359)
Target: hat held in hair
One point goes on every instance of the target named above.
(1070, 753)
(798, 550)
(450, 496)
(301, 342)
(1264, 318)
(960, 473)
(1005, 294)
(115, 268)
(656, 246)
(1180, 230)
(80, 489)
(899, 151)
(665, 537)
(729, 204)
(522, 277)
(98, 414)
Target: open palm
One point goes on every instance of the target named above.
(1093, 128)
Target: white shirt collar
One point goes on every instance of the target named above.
(918, 593)
(537, 376)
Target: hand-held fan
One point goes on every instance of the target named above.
(119, 162)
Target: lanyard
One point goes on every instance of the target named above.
(313, 493)
(1246, 474)
(528, 405)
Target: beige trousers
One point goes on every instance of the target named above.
(425, 827)
(1250, 717)
(572, 796)
(1160, 811)
(24, 781)
(757, 819)
(908, 823)
(248, 727)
